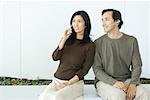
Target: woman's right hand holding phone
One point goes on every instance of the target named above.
(67, 33)
(65, 36)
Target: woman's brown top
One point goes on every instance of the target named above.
(75, 59)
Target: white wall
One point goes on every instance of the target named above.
(30, 31)
(148, 68)
(10, 39)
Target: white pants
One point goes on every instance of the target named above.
(71, 92)
(108, 92)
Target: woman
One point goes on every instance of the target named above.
(76, 53)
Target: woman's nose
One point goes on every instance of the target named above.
(76, 24)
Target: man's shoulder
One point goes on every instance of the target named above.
(100, 38)
(130, 37)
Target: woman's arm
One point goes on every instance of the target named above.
(70, 82)
(73, 80)
(65, 36)
(89, 58)
(58, 52)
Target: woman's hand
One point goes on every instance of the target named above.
(70, 82)
(67, 33)
(65, 36)
(62, 85)
(73, 80)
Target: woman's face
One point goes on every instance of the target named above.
(78, 24)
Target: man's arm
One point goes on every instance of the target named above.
(136, 64)
(136, 71)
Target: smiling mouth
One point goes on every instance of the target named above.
(105, 27)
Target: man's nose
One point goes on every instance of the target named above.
(103, 24)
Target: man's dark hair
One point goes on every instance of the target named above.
(116, 15)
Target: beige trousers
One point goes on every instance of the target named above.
(72, 92)
(108, 92)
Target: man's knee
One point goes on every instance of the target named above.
(112, 95)
(117, 96)
(142, 93)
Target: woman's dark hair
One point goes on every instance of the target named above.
(116, 15)
(87, 30)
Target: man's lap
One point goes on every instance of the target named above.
(105, 90)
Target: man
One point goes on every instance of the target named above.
(117, 63)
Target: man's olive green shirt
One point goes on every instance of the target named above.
(117, 59)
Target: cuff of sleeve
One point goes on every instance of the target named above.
(59, 49)
(79, 75)
(112, 82)
(136, 83)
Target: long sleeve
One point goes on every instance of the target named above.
(88, 61)
(98, 68)
(136, 63)
(57, 54)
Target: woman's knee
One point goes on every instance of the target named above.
(60, 97)
(41, 97)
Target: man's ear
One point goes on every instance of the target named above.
(118, 21)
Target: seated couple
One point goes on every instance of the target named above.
(114, 57)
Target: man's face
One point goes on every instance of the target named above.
(108, 22)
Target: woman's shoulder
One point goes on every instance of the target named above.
(90, 44)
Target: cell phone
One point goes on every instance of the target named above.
(70, 30)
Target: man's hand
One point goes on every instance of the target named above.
(131, 92)
(121, 85)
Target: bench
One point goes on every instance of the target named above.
(90, 93)
(32, 92)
